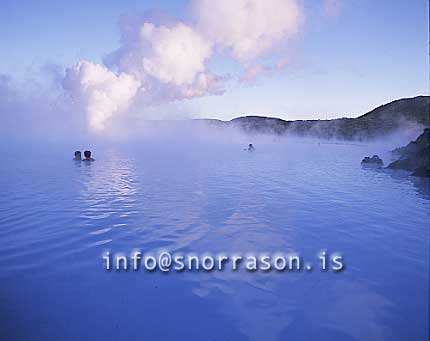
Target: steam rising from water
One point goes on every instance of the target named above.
(160, 63)
(101, 92)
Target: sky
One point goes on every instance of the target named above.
(292, 59)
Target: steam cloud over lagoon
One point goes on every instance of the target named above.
(157, 63)
(217, 59)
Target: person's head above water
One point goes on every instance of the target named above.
(250, 147)
(87, 155)
(78, 155)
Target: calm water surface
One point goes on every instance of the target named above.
(58, 217)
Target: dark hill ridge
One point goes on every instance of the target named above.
(381, 121)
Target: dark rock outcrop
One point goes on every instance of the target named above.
(415, 156)
(375, 160)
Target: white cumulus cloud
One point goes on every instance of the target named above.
(169, 59)
(249, 28)
(174, 55)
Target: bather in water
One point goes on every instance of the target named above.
(78, 156)
(88, 157)
(250, 147)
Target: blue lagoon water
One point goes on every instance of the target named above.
(58, 217)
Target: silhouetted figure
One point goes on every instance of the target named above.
(87, 155)
(78, 156)
(250, 147)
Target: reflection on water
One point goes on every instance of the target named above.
(59, 217)
(107, 192)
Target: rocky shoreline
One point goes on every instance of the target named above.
(414, 157)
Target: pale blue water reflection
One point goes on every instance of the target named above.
(58, 217)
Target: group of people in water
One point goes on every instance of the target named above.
(87, 156)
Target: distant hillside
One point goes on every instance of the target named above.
(381, 121)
